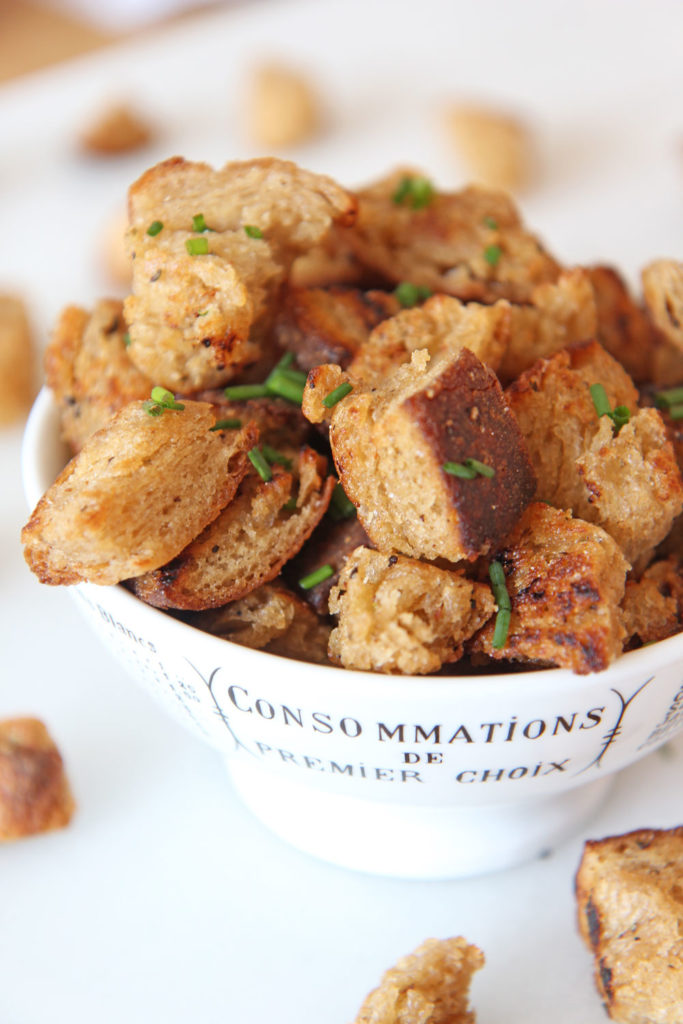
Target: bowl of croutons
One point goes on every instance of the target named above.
(381, 500)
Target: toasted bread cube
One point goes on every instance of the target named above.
(18, 383)
(117, 128)
(202, 298)
(89, 371)
(663, 294)
(628, 892)
(442, 324)
(495, 146)
(391, 443)
(399, 615)
(623, 326)
(248, 543)
(653, 604)
(137, 493)
(565, 578)
(282, 106)
(628, 481)
(329, 325)
(471, 243)
(35, 795)
(430, 986)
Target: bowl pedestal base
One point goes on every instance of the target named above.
(404, 841)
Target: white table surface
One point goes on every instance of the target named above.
(165, 900)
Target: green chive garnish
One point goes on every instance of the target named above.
(491, 222)
(619, 416)
(155, 227)
(126, 339)
(480, 467)
(198, 222)
(285, 362)
(241, 392)
(316, 577)
(229, 424)
(341, 507)
(667, 399)
(409, 294)
(502, 599)
(161, 399)
(468, 469)
(260, 465)
(418, 191)
(290, 505)
(676, 412)
(287, 384)
(197, 246)
(272, 456)
(501, 628)
(336, 396)
(252, 231)
(492, 254)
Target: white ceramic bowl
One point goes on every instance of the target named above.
(408, 776)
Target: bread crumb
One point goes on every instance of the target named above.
(496, 147)
(283, 107)
(117, 128)
(34, 792)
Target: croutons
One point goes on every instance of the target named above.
(330, 544)
(663, 294)
(628, 891)
(18, 383)
(35, 795)
(565, 579)
(282, 106)
(137, 493)
(430, 986)
(209, 262)
(88, 369)
(399, 615)
(653, 604)
(495, 146)
(117, 128)
(625, 480)
(391, 444)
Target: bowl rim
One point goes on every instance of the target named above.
(34, 462)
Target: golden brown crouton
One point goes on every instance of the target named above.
(248, 543)
(282, 106)
(495, 146)
(441, 324)
(430, 986)
(399, 615)
(626, 481)
(18, 382)
(117, 128)
(135, 495)
(329, 325)
(270, 618)
(653, 604)
(663, 294)
(209, 262)
(623, 327)
(34, 791)
(470, 244)
(87, 367)
(565, 578)
(629, 895)
(391, 444)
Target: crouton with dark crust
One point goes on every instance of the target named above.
(653, 604)
(629, 898)
(330, 544)
(35, 795)
(565, 578)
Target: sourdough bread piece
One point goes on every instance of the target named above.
(248, 543)
(653, 604)
(565, 579)
(624, 329)
(399, 615)
(629, 897)
(203, 291)
(390, 444)
(625, 481)
(35, 795)
(135, 495)
(430, 986)
(89, 371)
(18, 378)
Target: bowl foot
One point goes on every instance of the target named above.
(405, 841)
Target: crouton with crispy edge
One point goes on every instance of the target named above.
(470, 243)
(390, 444)
(398, 615)
(329, 325)
(663, 294)
(430, 986)
(282, 106)
(495, 146)
(270, 618)
(203, 291)
(441, 324)
(89, 371)
(565, 578)
(18, 383)
(653, 604)
(35, 795)
(330, 544)
(248, 543)
(628, 893)
(625, 480)
(137, 493)
(117, 128)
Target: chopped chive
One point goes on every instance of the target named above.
(619, 416)
(409, 294)
(161, 398)
(502, 599)
(162, 395)
(665, 399)
(285, 362)
(272, 455)
(316, 577)
(197, 246)
(260, 465)
(252, 231)
(600, 400)
(341, 507)
(336, 396)
(126, 339)
(241, 392)
(459, 469)
(290, 504)
(491, 222)
(501, 629)
(198, 223)
(229, 424)
(155, 227)
(419, 191)
(152, 408)
(676, 412)
(284, 384)
(480, 467)
(492, 254)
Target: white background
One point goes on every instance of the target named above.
(165, 900)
